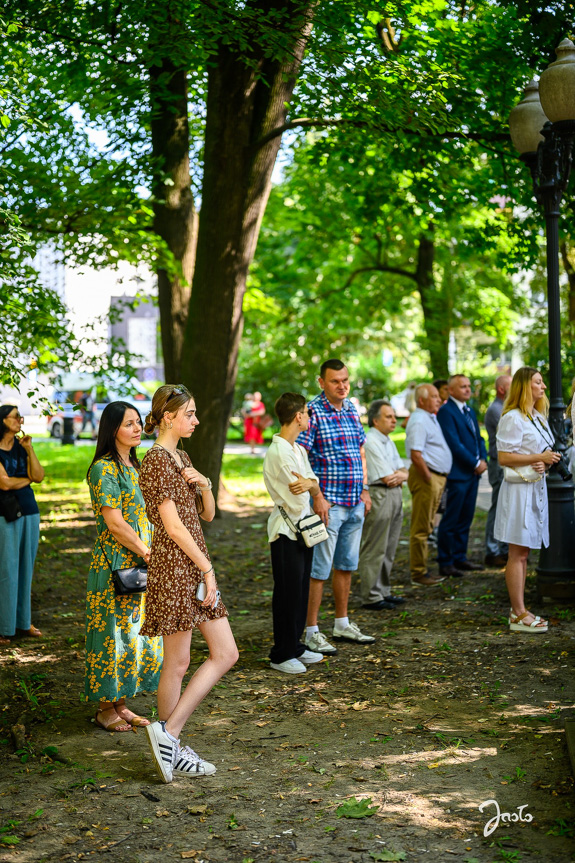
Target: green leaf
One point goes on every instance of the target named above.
(354, 808)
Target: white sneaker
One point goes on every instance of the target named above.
(308, 657)
(289, 666)
(189, 763)
(163, 749)
(318, 643)
(352, 632)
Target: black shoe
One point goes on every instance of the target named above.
(379, 605)
(496, 561)
(468, 566)
(450, 572)
(396, 600)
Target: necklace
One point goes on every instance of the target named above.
(171, 452)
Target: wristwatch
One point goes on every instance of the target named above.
(365, 488)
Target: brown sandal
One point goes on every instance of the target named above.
(114, 726)
(134, 720)
(4, 641)
(139, 721)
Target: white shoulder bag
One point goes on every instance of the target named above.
(525, 473)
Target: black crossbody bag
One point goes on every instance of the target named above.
(10, 507)
(130, 579)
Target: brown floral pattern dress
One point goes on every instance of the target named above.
(171, 604)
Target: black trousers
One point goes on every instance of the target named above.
(291, 567)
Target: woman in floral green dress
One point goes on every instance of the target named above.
(119, 661)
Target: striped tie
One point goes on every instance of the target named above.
(471, 425)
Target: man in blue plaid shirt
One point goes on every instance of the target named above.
(334, 441)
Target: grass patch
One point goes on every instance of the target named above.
(243, 476)
(66, 468)
(398, 437)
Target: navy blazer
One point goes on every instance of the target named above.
(461, 440)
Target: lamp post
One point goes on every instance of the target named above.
(542, 128)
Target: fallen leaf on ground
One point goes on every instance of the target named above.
(198, 809)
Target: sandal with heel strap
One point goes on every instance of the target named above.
(537, 617)
(516, 624)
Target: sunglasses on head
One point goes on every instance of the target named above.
(178, 391)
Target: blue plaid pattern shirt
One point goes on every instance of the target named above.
(333, 441)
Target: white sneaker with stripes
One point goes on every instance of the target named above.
(189, 763)
(163, 749)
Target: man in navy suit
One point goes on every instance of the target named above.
(461, 431)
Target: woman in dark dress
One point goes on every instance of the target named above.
(19, 535)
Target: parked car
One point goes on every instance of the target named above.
(55, 422)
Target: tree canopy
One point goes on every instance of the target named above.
(163, 121)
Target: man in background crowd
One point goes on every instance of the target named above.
(495, 551)
(431, 461)
(461, 429)
(385, 476)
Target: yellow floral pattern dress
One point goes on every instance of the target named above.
(119, 661)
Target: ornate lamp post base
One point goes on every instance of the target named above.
(556, 570)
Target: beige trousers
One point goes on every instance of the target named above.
(425, 502)
(379, 539)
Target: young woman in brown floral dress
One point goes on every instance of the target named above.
(175, 493)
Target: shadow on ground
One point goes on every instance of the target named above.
(382, 753)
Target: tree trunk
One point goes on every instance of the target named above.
(175, 219)
(244, 103)
(436, 310)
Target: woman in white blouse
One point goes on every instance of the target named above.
(522, 518)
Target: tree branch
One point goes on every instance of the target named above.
(77, 41)
(315, 122)
(380, 268)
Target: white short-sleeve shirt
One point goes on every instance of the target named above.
(381, 456)
(280, 460)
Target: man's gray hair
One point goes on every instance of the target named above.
(455, 376)
(374, 409)
(421, 392)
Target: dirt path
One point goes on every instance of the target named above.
(408, 736)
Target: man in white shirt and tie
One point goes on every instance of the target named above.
(382, 526)
(431, 461)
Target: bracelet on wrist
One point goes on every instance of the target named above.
(206, 487)
(207, 572)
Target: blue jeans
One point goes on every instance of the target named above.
(341, 548)
(18, 547)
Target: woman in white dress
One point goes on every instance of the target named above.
(522, 518)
